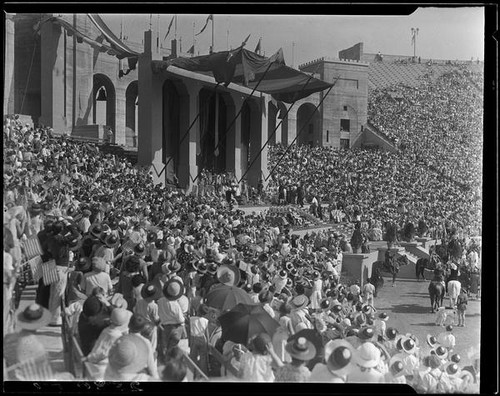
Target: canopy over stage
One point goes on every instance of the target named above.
(243, 67)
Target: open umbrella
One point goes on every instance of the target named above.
(245, 321)
(226, 297)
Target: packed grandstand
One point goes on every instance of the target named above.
(151, 268)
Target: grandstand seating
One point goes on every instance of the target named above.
(385, 74)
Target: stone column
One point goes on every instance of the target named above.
(8, 92)
(188, 170)
(53, 82)
(150, 115)
(233, 138)
(258, 137)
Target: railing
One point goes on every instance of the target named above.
(225, 365)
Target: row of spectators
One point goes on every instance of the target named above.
(373, 185)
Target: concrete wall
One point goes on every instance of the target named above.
(27, 58)
(353, 53)
(359, 265)
(8, 67)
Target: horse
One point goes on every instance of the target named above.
(390, 265)
(436, 293)
(423, 264)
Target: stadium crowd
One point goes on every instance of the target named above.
(152, 278)
(439, 123)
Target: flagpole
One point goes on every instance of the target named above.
(212, 48)
(158, 34)
(175, 36)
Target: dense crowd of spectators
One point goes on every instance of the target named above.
(147, 273)
(440, 122)
(371, 185)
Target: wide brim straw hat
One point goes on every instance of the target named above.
(151, 292)
(301, 349)
(300, 301)
(129, 354)
(173, 289)
(33, 317)
(228, 275)
(368, 355)
(339, 354)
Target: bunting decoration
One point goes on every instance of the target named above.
(210, 18)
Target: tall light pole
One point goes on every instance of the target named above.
(414, 34)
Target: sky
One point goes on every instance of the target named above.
(444, 33)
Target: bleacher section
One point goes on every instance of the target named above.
(385, 74)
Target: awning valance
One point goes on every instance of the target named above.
(243, 67)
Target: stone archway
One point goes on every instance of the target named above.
(308, 125)
(104, 112)
(131, 114)
(213, 131)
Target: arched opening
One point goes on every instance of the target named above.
(131, 114)
(271, 123)
(171, 131)
(213, 124)
(308, 125)
(104, 103)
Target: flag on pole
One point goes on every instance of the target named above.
(36, 267)
(210, 18)
(257, 48)
(32, 247)
(169, 27)
(49, 272)
(245, 42)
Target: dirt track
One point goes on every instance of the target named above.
(409, 310)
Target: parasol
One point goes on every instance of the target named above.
(226, 297)
(245, 321)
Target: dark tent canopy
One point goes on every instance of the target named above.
(243, 67)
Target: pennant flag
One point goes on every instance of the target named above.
(191, 50)
(245, 42)
(257, 48)
(36, 267)
(32, 247)
(210, 18)
(169, 27)
(49, 272)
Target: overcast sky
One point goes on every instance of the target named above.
(444, 33)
